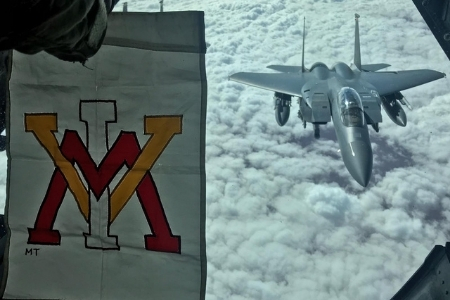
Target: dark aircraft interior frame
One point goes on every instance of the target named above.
(436, 14)
(432, 280)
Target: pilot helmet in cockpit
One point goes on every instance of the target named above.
(351, 108)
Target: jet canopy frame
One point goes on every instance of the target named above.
(352, 112)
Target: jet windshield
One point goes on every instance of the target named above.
(351, 108)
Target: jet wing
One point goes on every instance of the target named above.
(374, 67)
(285, 69)
(390, 82)
(287, 83)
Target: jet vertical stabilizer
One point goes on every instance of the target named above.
(357, 55)
(303, 45)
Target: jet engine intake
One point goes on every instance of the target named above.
(282, 104)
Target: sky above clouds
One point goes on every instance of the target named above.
(284, 218)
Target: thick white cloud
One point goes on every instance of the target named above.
(284, 218)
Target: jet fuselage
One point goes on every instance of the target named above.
(347, 112)
(353, 138)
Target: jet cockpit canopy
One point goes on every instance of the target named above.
(352, 113)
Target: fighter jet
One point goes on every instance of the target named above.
(350, 95)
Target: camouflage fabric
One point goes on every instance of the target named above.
(70, 30)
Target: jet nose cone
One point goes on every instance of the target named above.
(360, 162)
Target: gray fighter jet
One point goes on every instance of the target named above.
(350, 95)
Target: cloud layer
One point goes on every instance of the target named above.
(285, 219)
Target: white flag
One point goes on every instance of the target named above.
(106, 185)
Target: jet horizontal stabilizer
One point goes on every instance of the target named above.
(374, 67)
(285, 69)
(286, 83)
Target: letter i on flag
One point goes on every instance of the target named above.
(106, 185)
